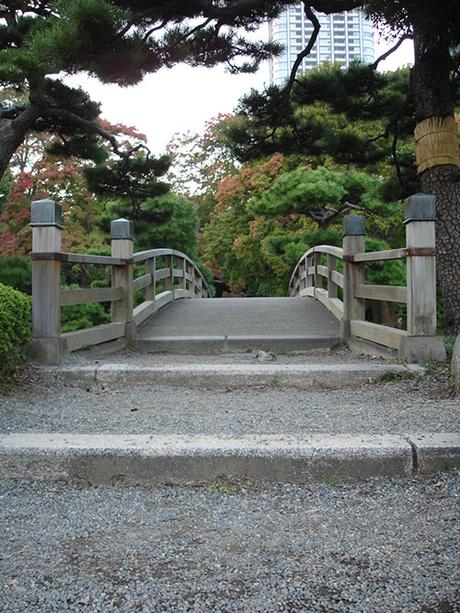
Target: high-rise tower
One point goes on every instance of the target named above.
(343, 37)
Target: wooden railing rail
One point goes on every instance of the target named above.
(345, 293)
(168, 275)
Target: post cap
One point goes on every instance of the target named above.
(353, 225)
(121, 229)
(420, 207)
(46, 213)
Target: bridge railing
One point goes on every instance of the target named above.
(345, 292)
(167, 275)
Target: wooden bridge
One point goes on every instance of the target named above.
(326, 302)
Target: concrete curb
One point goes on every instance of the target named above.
(227, 375)
(153, 459)
(435, 451)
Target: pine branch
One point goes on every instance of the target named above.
(92, 127)
(314, 35)
(390, 51)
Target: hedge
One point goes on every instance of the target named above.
(15, 329)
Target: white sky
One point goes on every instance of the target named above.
(183, 98)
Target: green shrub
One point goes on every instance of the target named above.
(16, 271)
(15, 329)
(82, 316)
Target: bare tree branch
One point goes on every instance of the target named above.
(390, 51)
(299, 59)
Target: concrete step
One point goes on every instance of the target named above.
(152, 459)
(218, 375)
(222, 343)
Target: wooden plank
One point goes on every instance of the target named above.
(143, 311)
(322, 270)
(389, 293)
(182, 293)
(94, 336)
(383, 335)
(334, 305)
(164, 298)
(307, 291)
(163, 273)
(142, 256)
(329, 249)
(178, 273)
(149, 307)
(337, 278)
(70, 297)
(78, 258)
(311, 270)
(143, 281)
(372, 256)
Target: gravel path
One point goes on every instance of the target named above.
(374, 547)
(47, 403)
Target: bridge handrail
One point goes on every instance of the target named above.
(328, 249)
(179, 277)
(344, 294)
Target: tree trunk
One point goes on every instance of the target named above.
(443, 182)
(432, 96)
(12, 135)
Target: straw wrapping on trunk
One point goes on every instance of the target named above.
(436, 143)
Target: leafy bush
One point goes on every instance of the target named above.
(82, 316)
(16, 271)
(15, 329)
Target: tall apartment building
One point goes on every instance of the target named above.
(343, 37)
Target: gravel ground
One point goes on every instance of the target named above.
(45, 402)
(378, 546)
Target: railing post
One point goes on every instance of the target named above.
(309, 279)
(331, 267)
(122, 236)
(421, 343)
(353, 273)
(184, 272)
(317, 278)
(46, 220)
(169, 281)
(150, 290)
(193, 280)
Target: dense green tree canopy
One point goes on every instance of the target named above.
(355, 117)
(115, 41)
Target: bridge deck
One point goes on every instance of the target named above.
(256, 323)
